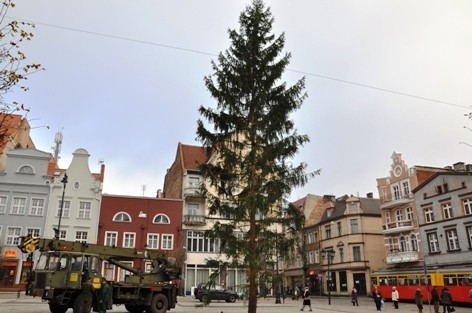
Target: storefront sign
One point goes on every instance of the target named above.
(9, 253)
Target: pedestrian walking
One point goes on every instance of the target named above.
(446, 299)
(354, 299)
(377, 296)
(419, 300)
(395, 297)
(435, 299)
(306, 299)
(103, 296)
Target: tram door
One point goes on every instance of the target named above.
(359, 283)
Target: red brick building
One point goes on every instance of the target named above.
(140, 222)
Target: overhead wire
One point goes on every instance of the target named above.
(215, 55)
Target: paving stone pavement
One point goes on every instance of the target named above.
(9, 303)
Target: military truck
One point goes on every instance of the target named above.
(63, 266)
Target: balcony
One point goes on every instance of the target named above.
(194, 220)
(393, 201)
(192, 192)
(397, 227)
(402, 257)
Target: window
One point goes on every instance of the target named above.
(429, 215)
(467, 203)
(193, 182)
(341, 255)
(309, 237)
(414, 242)
(452, 240)
(84, 209)
(13, 236)
(403, 246)
(328, 231)
(167, 242)
(396, 192)
(62, 234)
(197, 242)
(433, 242)
(65, 208)
(111, 238)
(354, 226)
(409, 213)
(3, 204)
(192, 209)
(26, 169)
(447, 210)
(469, 235)
(340, 230)
(161, 219)
(122, 217)
(129, 240)
(37, 207)
(406, 188)
(399, 215)
(152, 241)
(356, 252)
(391, 244)
(33, 232)
(387, 218)
(18, 206)
(81, 236)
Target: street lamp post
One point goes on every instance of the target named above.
(58, 230)
(329, 254)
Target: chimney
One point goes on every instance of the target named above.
(459, 166)
(370, 195)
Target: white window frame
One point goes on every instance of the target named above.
(152, 241)
(85, 209)
(121, 216)
(414, 242)
(111, 238)
(12, 235)
(396, 192)
(354, 223)
(429, 215)
(33, 232)
(81, 236)
(37, 206)
(129, 240)
(409, 213)
(452, 239)
(399, 215)
(161, 219)
(18, 206)
(388, 220)
(466, 203)
(447, 211)
(167, 241)
(65, 208)
(3, 204)
(433, 242)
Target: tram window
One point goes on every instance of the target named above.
(393, 281)
(425, 280)
(402, 280)
(383, 281)
(373, 281)
(450, 280)
(413, 280)
(465, 280)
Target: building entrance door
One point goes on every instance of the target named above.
(359, 283)
(8, 272)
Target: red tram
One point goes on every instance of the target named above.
(458, 281)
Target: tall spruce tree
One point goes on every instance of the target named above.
(249, 175)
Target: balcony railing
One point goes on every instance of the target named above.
(398, 226)
(392, 200)
(194, 220)
(192, 192)
(403, 257)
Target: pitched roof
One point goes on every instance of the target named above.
(192, 156)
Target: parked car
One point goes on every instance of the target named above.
(215, 292)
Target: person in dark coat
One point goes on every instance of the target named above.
(435, 299)
(87, 294)
(419, 300)
(354, 299)
(446, 299)
(377, 296)
(306, 299)
(103, 296)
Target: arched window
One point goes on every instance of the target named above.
(161, 219)
(122, 217)
(26, 169)
(414, 242)
(402, 244)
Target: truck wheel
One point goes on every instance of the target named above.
(82, 304)
(134, 308)
(57, 308)
(159, 303)
(231, 298)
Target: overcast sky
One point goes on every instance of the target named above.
(124, 80)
